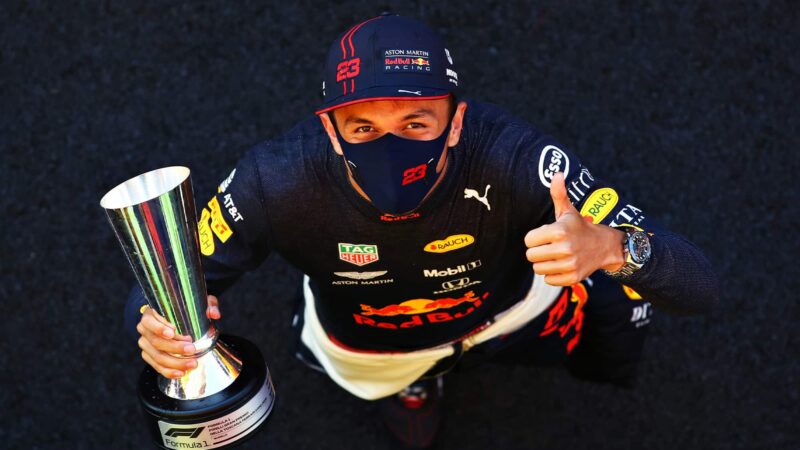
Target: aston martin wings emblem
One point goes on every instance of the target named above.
(361, 275)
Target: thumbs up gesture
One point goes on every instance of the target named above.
(571, 248)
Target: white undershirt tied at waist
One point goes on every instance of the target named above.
(374, 375)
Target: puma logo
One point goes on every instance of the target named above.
(472, 193)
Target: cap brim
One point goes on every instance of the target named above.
(386, 93)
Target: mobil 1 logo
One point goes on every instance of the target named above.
(450, 271)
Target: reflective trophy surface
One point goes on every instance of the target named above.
(229, 395)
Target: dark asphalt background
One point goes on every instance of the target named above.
(691, 106)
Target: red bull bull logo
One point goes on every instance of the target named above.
(579, 295)
(422, 311)
(418, 305)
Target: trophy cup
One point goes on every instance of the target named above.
(229, 395)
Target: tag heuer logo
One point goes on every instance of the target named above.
(358, 254)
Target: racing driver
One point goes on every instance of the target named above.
(416, 217)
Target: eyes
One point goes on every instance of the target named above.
(364, 129)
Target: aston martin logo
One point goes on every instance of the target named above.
(361, 275)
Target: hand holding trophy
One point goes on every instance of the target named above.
(229, 395)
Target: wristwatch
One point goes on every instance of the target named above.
(636, 250)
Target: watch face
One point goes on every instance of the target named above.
(639, 247)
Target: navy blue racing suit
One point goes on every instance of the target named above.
(387, 283)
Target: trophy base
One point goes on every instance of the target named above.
(220, 420)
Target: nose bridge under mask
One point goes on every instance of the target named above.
(396, 173)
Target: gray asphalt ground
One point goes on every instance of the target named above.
(691, 106)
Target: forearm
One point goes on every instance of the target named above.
(678, 277)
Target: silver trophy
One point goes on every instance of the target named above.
(230, 393)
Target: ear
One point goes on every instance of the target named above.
(456, 124)
(328, 125)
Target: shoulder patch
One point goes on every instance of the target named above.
(551, 161)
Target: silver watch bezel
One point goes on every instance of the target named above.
(633, 238)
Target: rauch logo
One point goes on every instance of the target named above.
(449, 243)
(599, 204)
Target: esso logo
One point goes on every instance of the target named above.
(552, 161)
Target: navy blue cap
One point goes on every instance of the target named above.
(388, 57)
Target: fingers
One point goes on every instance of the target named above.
(157, 325)
(564, 279)
(167, 373)
(173, 346)
(213, 308)
(165, 364)
(560, 272)
(159, 342)
(558, 193)
(549, 252)
(545, 234)
(557, 267)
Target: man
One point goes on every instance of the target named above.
(416, 216)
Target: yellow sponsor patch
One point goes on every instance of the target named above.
(599, 204)
(211, 224)
(449, 243)
(218, 224)
(633, 295)
(204, 234)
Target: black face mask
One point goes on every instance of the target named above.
(396, 173)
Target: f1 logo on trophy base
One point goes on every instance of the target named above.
(229, 395)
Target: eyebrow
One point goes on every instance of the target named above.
(422, 112)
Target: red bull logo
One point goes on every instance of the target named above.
(579, 295)
(419, 305)
(406, 61)
(421, 311)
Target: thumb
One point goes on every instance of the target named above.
(558, 192)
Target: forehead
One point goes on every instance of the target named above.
(385, 109)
